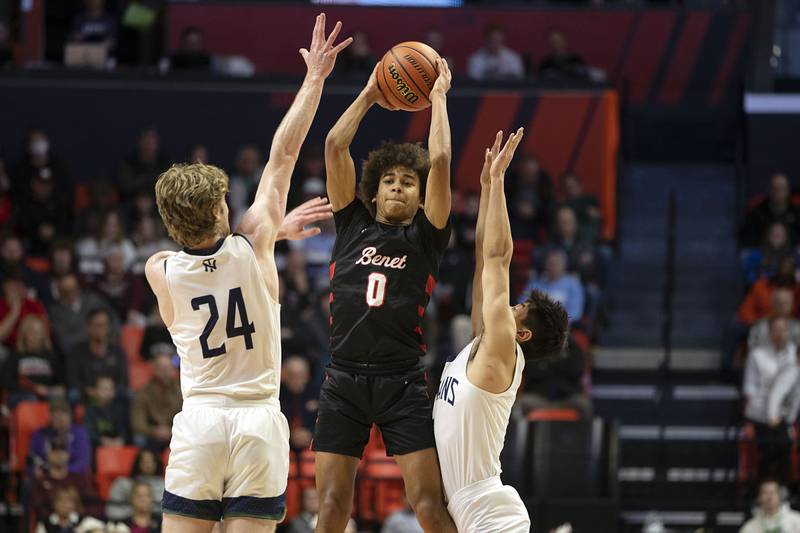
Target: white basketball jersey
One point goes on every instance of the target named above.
(470, 424)
(226, 326)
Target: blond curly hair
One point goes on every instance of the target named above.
(187, 196)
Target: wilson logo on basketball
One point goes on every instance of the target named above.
(410, 96)
(422, 72)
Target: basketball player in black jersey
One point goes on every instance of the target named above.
(385, 264)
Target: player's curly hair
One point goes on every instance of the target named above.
(187, 196)
(391, 154)
(549, 323)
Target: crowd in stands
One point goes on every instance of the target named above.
(71, 267)
(106, 34)
(762, 348)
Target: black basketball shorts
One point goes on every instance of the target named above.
(349, 403)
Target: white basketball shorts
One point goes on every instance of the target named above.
(488, 506)
(228, 461)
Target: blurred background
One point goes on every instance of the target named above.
(656, 195)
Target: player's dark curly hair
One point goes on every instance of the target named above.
(389, 155)
(549, 323)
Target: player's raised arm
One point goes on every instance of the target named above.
(339, 166)
(437, 191)
(262, 221)
(498, 344)
(477, 282)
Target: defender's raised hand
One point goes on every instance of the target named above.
(321, 55)
(490, 154)
(294, 228)
(501, 161)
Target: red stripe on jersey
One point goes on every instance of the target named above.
(330, 298)
(431, 283)
(333, 269)
(420, 311)
(418, 330)
(424, 347)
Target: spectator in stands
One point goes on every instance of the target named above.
(62, 262)
(95, 25)
(92, 250)
(782, 306)
(583, 256)
(433, 37)
(298, 399)
(143, 520)
(557, 383)
(102, 199)
(298, 285)
(586, 207)
(107, 416)
(42, 213)
(763, 366)
(39, 161)
(99, 355)
(192, 54)
(757, 262)
(148, 238)
(33, 372)
(156, 338)
(62, 429)
(65, 515)
(243, 182)
(783, 404)
(495, 61)
(156, 405)
(15, 305)
(139, 173)
(70, 312)
(560, 286)
(12, 257)
(451, 295)
(773, 513)
(560, 63)
(126, 293)
(525, 216)
(306, 521)
(757, 304)
(402, 521)
(357, 61)
(776, 207)
(317, 332)
(146, 470)
(528, 177)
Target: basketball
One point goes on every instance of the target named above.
(407, 74)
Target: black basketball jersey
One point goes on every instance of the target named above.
(382, 277)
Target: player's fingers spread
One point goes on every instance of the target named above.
(342, 45)
(319, 29)
(334, 34)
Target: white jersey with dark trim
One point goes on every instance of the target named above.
(226, 326)
(470, 424)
